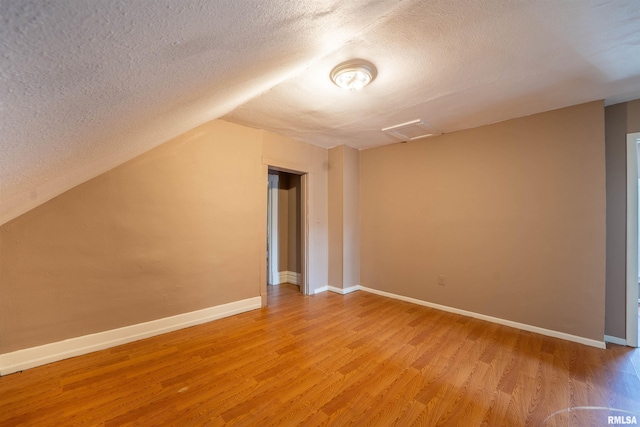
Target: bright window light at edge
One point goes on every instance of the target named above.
(353, 75)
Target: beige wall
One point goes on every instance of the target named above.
(289, 225)
(289, 155)
(336, 209)
(351, 217)
(620, 119)
(344, 217)
(294, 224)
(160, 235)
(513, 214)
(633, 116)
(283, 222)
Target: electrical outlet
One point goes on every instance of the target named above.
(442, 280)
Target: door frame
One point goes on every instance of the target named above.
(632, 241)
(272, 229)
(306, 176)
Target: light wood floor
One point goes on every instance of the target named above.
(358, 359)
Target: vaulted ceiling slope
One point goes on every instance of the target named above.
(85, 86)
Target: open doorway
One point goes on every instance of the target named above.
(633, 253)
(285, 229)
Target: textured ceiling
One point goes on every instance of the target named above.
(85, 86)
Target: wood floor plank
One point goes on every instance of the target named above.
(330, 360)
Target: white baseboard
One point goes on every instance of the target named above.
(288, 277)
(35, 356)
(517, 325)
(615, 340)
(340, 291)
(343, 291)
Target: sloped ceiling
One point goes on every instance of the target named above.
(85, 86)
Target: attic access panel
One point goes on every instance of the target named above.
(409, 131)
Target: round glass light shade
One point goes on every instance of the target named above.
(353, 75)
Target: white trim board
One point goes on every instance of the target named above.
(631, 307)
(340, 291)
(36, 356)
(343, 291)
(615, 340)
(288, 277)
(517, 325)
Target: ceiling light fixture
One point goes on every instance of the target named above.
(354, 74)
